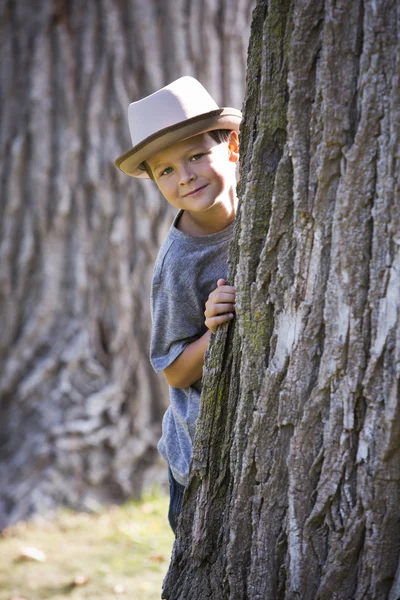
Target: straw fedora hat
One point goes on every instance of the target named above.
(178, 111)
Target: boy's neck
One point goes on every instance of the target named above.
(209, 222)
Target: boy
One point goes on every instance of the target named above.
(189, 147)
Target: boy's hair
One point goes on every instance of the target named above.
(218, 135)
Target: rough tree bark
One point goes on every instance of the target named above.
(80, 404)
(294, 489)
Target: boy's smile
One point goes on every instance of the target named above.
(198, 175)
(195, 191)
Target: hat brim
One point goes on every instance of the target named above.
(222, 118)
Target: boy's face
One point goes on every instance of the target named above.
(197, 174)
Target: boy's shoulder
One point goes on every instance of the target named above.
(173, 258)
(192, 263)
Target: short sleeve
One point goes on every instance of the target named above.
(175, 324)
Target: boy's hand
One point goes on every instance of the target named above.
(220, 305)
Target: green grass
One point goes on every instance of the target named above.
(120, 552)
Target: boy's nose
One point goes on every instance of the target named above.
(186, 176)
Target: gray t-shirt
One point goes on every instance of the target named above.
(185, 273)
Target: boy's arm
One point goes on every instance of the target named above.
(188, 366)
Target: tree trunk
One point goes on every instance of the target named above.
(80, 404)
(294, 487)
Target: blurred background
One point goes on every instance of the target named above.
(80, 405)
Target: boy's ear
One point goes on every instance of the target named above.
(233, 146)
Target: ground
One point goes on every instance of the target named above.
(119, 552)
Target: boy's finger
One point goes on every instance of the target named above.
(224, 308)
(229, 289)
(221, 318)
(221, 282)
(225, 297)
(219, 309)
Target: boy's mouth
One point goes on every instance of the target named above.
(193, 192)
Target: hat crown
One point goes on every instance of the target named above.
(180, 100)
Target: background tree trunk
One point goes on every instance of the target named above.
(294, 489)
(80, 404)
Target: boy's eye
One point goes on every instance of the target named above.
(197, 156)
(166, 171)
